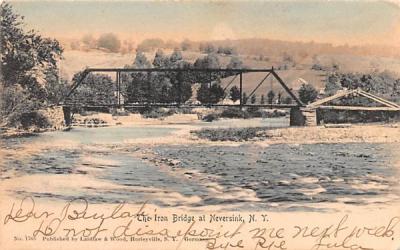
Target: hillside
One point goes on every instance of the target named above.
(296, 72)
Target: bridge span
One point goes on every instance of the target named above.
(300, 114)
(181, 75)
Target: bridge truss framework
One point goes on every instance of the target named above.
(232, 72)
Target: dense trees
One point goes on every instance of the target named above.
(56, 87)
(307, 93)
(150, 44)
(210, 94)
(235, 63)
(270, 96)
(186, 45)
(160, 59)
(245, 98)
(175, 57)
(89, 41)
(262, 99)
(287, 100)
(383, 84)
(136, 85)
(253, 99)
(210, 61)
(234, 93)
(172, 86)
(227, 50)
(26, 61)
(94, 89)
(207, 48)
(163, 87)
(109, 42)
(24, 53)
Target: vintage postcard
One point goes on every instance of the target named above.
(200, 125)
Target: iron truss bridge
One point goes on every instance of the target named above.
(120, 101)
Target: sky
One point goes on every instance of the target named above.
(337, 22)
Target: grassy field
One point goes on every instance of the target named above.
(291, 77)
(294, 76)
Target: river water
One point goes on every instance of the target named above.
(280, 176)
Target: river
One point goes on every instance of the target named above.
(104, 165)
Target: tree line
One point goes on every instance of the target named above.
(384, 84)
(176, 87)
(160, 87)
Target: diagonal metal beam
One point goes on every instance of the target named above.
(226, 87)
(74, 86)
(300, 103)
(338, 95)
(378, 99)
(233, 79)
(360, 108)
(265, 78)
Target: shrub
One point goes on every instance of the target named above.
(181, 110)
(156, 113)
(255, 112)
(28, 120)
(234, 93)
(287, 100)
(253, 99)
(317, 66)
(307, 93)
(110, 42)
(262, 100)
(233, 112)
(235, 63)
(275, 113)
(244, 98)
(231, 134)
(212, 94)
(16, 105)
(270, 96)
(210, 117)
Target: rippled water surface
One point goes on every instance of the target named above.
(108, 134)
(294, 173)
(198, 175)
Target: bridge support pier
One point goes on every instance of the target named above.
(67, 116)
(303, 117)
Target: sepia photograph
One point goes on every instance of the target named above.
(204, 124)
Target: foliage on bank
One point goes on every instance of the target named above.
(29, 79)
(232, 134)
(383, 84)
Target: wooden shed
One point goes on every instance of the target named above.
(313, 114)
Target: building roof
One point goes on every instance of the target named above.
(387, 105)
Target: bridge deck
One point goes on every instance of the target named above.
(142, 105)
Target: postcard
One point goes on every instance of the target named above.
(200, 125)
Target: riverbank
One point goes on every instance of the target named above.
(9, 133)
(385, 133)
(189, 129)
(256, 131)
(368, 133)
